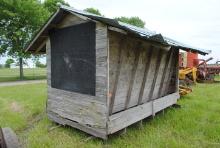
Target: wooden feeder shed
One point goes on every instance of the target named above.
(105, 75)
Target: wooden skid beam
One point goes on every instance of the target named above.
(83, 127)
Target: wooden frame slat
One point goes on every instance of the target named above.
(177, 71)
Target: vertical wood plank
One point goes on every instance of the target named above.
(173, 84)
(160, 53)
(48, 54)
(165, 69)
(146, 71)
(128, 56)
(150, 76)
(108, 71)
(139, 75)
(134, 69)
(115, 84)
(167, 79)
(170, 72)
(177, 71)
(101, 62)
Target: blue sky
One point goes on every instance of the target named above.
(194, 22)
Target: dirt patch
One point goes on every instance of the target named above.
(16, 107)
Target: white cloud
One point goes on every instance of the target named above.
(195, 22)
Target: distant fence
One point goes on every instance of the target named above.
(13, 74)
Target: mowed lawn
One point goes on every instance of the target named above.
(12, 74)
(195, 124)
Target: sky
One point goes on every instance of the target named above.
(194, 22)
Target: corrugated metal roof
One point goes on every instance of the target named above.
(139, 32)
(142, 32)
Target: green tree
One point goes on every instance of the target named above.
(24, 63)
(38, 64)
(8, 63)
(52, 5)
(19, 20)
(36, 61)
(136, 21)
(93, 11)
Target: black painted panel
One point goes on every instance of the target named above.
(73, 62)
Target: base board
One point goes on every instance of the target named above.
(125, 118)
(101, 133)
(122, 119)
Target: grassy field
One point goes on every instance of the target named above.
(7, 74)
(217, 78)
(195, 124)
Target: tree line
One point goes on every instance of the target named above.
(10, 61)
(21, 19)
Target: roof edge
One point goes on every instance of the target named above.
(140, 32)
(38, 33)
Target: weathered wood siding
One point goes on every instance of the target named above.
(85, 112)
(70, 20)
(134, 79)
(138, 71)
(127, 117)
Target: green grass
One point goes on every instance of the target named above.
(12, 74)
(195, 124)
(217, 78)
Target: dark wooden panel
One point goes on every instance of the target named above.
(165, 70)
(177, 71)
(171, 73)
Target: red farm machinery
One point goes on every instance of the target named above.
(192, 70)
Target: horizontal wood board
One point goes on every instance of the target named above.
(125, 118)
